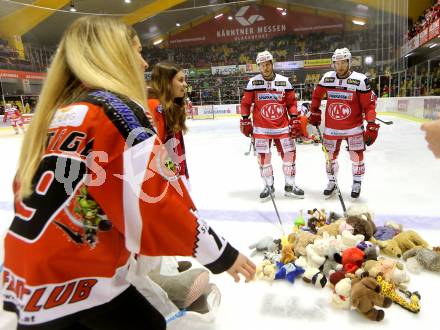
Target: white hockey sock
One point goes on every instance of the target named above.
(266, 172)
(268, 180)
(289, 170)
(290, 180)
(335, 167)
(358, 170)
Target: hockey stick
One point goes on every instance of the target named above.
(385, 122)
(276, 209)
(251, 145)
(329, 164)
(247, 153)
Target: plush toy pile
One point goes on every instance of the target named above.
(366, 266)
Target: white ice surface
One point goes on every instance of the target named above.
(402, 183)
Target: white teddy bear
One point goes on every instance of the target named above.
(341, 297)
(350, 240)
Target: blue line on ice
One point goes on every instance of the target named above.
(408, 221)
(6, 206)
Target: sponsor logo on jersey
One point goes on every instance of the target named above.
(258, 82)
(269, 97)
(272, 111)
(339, 111)
(340, 95)
(329, 79)
(352, 81)
(69, 116)
(280, 83)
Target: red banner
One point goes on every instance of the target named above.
(433, 30)
(12, 74)
(423, 37)
(254, 23)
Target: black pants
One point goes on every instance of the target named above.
(128, 311)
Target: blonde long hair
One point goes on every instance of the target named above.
(96, 52)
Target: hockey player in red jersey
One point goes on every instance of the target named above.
(274, 118)
(350, 100)
(14, 116)
(189, 108)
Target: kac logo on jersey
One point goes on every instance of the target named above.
(339, 111)
(269, 97)
(272, 111)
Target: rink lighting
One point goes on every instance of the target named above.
(362, 7)
(230, 18)
(157, 42)
(72, 7)
(358, 22)
(218, 16)
(368, 60)
(127, 1)
(433, 45)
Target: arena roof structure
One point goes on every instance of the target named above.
(43, 21)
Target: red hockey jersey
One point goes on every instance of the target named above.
(272, 100)
(349, 101)
(13, 114)
(174, 143)
(101, 192)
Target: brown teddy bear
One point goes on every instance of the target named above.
(401, 243)
(300, 240)
(362, 224)
(365, 295)
(287, 253)
(332, 229)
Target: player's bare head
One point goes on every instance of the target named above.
(341, 60)
(168, 80)
(265, 64)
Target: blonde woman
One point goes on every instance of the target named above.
(92, 187)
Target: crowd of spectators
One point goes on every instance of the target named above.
(284, 48)
(9, 58)
(225, 89)
(429, 15)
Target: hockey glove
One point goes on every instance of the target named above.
(315, 118)
(246, 126)
(370, 133)
(295, 127)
